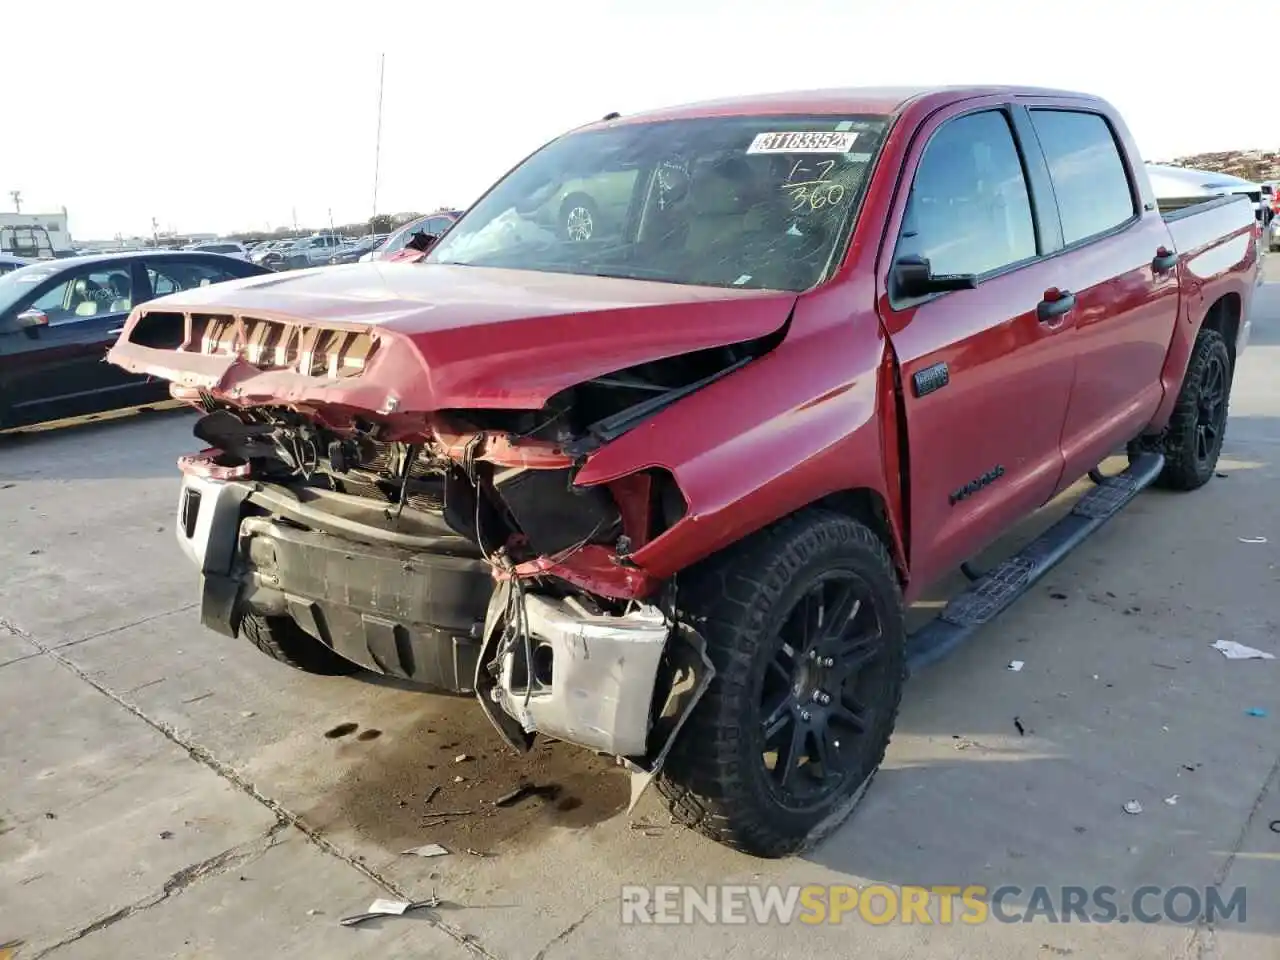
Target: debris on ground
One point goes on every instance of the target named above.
(1252, 539)
(1171, 800)
(427, 850)
(166, 834)
(1058, 596)
(462, 758)
(1255, 712)
(964, 743)
(431, 794)
(389, 908)
(478, 853)
(442, 819)
(1022, 731)
(515, 796)
(246, 714)
(1016, 665)
(1132, 806)
(459, 779)
(50, 816)
(1238, 651)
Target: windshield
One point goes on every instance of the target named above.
(18, 283)
(754, 202)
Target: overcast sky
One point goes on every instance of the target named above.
(233, 115)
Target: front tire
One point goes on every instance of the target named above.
(804, 624)
(1193, 441)
(280, 638)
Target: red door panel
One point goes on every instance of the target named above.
(1002, 412)
(983, 449)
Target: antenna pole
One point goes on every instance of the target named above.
(377, 149)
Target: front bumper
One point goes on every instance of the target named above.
(392, 607)
(412, 602)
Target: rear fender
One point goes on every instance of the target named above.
(1217, 290)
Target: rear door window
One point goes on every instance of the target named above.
(1088, 173)
(969, 211)
(171, 276)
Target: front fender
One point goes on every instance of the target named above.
(786, 430)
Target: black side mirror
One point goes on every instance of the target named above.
(914, 277)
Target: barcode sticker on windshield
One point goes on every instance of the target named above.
(797, 141)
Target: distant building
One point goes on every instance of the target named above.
(54, 224)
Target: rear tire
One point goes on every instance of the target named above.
(282, 639)
(1193, 441)
(760, 605)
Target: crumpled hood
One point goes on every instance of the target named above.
(447, 336)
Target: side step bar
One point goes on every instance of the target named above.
(995, 592)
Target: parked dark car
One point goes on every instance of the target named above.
(9, 263)
(58, 318)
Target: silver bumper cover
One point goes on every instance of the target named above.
(593, 679)
(208, 521)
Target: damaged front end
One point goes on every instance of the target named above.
(352, 518)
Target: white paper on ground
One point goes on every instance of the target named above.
(392, 907)
(430, 850)
(1238, 651)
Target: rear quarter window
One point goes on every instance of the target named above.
(1089, 177)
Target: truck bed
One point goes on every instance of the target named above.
(1197, 224)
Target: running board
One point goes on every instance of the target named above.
(995, 592)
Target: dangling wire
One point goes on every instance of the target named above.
(410, 456)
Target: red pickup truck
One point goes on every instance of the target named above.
(666, 492)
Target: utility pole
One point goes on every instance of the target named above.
(377, 147)
(17, 200)
(155, 232)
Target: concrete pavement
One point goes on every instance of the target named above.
(165, 792)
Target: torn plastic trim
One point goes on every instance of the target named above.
(687, 642)
(611, 427)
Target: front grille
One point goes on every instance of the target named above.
(271, 345)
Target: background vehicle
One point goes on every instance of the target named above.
(353, 252)
(310, 251)
(1177, 182)
(30, 243)
(666, 493)
(435, 224)
(9, 263)
(1271, 197)
(58, 319)
(228, 248)
(270, 250)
